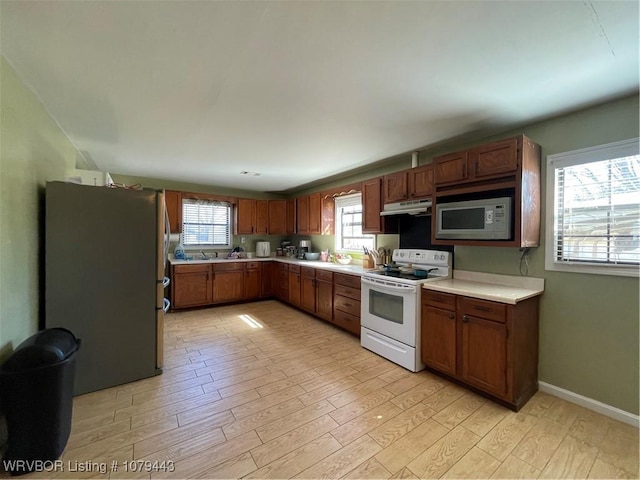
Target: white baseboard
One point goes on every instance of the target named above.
(591, 404)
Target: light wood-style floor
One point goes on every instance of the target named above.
(262, 390)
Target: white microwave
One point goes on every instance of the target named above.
(488, 219)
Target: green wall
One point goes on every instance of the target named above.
(33, 150)
(588, 323)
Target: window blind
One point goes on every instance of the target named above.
(206, 223)
(597, 211)
(348, 224)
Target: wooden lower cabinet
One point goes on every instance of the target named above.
(294, 285)
(316, 292)
(228, 282)
(252, 280)
(191, 285)
(346, 302)
(281, 276)
(267, 278)
(490, 346)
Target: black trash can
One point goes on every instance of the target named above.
(36, 395)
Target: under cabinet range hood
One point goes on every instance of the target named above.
(412, 207)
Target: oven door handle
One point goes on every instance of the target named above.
(373, 283)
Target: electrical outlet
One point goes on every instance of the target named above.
(242, 240)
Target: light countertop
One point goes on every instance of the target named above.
(487, 286)
(335, 267)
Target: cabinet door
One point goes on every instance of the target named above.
(372, 205)
(308, 294)
(267, 276)
(173, 201)
(451, 168)
(246, 216)
(262, 217)
(252, 277)
(395, 187)
(438, 339)
(495, 158)
(294, 289)
(315, 213)
(421, 181)
(291, 216)
(277, 217)
(302, 214)
(484, 354)
(228, 286)
(281, 276)
(324, 299)
(192, 289)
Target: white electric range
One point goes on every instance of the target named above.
(390, 307)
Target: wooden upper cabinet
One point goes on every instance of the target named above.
(246, 216)
(252, 217)
(315, 213)
(509, 167)
(291, 216)
(309, 214)
(484, 162)
(495, 158)
(372, 205)
(451, 168)
(421, 181)
(277, 217)
(302, 214)
(262, 217)
(411, 184)
(395, 187)
(173, 201)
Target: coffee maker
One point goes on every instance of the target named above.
(305, 246)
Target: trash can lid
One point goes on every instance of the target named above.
(47, 347)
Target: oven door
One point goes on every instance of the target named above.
(390, 308)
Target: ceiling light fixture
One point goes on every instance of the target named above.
(253, 174)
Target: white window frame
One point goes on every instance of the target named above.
(598, 153)
(341, 202)
(215, 246)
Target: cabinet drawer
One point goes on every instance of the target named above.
(252, 265)
(225, 267)
(439, 299)
(352, 281)
(294, 268)
(349, 322)
(348, 292)
(308, 272)
(203, 267)
(346, 304)
(324, 275)
(484, 309)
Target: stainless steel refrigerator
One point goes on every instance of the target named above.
(105, 254)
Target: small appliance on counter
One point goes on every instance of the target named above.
(263, 249)
(305, 246)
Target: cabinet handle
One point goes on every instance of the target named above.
(347, 305)
(476, 168)
(452, 316)
(482, 309)
(465, 319)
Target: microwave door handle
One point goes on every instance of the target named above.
(380, 285)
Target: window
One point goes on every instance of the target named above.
(593, 210)
(206, 223)
(348, 225)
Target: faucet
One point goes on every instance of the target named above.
(207, 257)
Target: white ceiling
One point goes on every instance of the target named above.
(199, 91)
